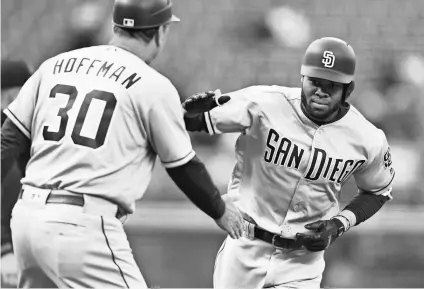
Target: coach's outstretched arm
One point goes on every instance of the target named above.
(194, 180)
(168, 137)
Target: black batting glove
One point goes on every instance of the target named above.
(326, 232)
(203, 102)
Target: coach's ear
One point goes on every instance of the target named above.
(162, 35)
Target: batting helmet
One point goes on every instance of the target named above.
(142, 14)
(329, 58)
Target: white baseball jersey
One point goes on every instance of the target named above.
(289, 170)
(97, 118)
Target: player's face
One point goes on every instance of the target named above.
(321, 98)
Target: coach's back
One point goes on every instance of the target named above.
(94, 112)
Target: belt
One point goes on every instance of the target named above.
(75, 200)
(65, 199)
(276, 240)
(72, 199)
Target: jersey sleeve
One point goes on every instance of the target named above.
(237, 115)
(166, 129)
(21, 110)
(378, 174)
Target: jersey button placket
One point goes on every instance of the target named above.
(317, 143)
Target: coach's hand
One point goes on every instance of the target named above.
(232, 220)
(203, 101)
(326, 231)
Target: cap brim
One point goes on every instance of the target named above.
(324, 73)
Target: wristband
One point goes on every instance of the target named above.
(345, 221)
(348, 218)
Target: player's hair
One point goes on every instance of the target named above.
(146, 34)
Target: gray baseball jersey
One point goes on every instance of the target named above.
(97, 118)
(289, 170)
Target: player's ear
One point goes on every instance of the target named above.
(161, 35)
(350, 88)
(157, 38)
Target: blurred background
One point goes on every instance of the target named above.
(230, 44)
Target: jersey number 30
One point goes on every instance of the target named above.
(76, 136)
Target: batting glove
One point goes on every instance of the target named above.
(326, 232)
(204, 101)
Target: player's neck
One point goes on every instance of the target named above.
(341, 112)
(141, 51)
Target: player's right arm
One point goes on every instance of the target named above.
(236, 115)
(169, 139)
(16, 130)
(13, 145)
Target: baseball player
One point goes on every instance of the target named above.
(296, 149)
(94, 121)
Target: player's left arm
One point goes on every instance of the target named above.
(374, 181)
(195, 106)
